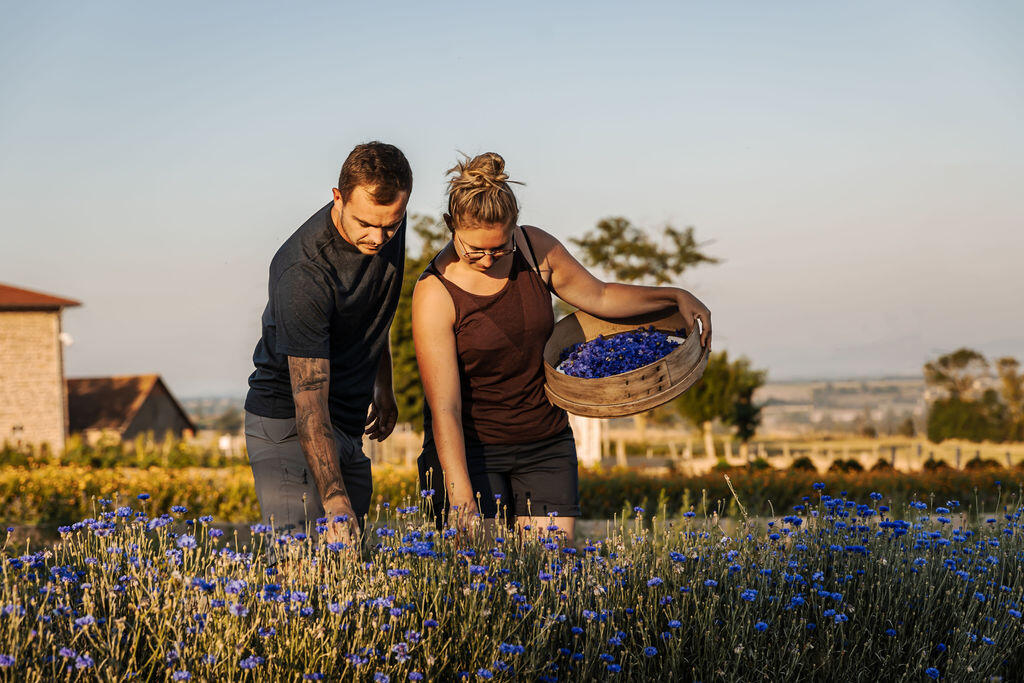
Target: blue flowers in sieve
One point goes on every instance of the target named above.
(607, 356)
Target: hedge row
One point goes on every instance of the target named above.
(58, 495)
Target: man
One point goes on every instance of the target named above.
(323, 364)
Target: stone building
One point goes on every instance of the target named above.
(33, 398)
(125, 407)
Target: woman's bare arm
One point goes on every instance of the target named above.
(433, 320)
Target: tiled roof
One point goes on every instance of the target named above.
(110, 402)
(15, 298)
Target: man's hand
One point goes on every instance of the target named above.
(382, 415)
(345, 531)
(692, 309)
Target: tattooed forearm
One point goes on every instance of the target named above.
(310, 383)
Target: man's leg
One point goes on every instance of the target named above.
(287, 494)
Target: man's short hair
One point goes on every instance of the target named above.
(379, 167)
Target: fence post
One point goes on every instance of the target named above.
(1008, 461)
(893, 462)
(620, 452)
(958, 457)
(728, 449)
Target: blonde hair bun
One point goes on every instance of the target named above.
(480, 189)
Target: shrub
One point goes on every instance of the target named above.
(803, 463)
(881, 465)
(979, 463)
(931, 464)
(849, 465)
(759, 464)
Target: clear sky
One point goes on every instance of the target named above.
(858, 166)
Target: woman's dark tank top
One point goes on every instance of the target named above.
(500, 341)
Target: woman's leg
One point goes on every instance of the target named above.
(545, 482)
(540, 526)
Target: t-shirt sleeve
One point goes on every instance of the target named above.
(302, 312)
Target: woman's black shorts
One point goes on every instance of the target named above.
(527, 479)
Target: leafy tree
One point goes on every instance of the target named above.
(956, 372)
(1012, 389)
(629, 254)
(724, 392)
(955, 418)
(432, 235)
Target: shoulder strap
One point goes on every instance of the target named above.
(533, 256)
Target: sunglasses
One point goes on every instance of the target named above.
(477, 254)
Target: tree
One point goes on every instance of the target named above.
(724, 392)
(1012, 389)
(955, 418)
(629, 254)
(745, 416)
(432, 235)
(956, 372)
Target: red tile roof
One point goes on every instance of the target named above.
(112, 402)
(14, 298)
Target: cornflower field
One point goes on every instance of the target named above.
(836, 589)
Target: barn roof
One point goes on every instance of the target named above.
(17, 299)
(112, 402)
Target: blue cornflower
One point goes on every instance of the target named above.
(818, 486)
(429, 623)
(316, 676)
(267, 631)
(761, 626)
(675, 623)
(83, 662)
(143, 496)
(655, 581)
(381, 677)
(891, 632)
(238, 609)
(67, 652)
(484, 673)
(710, 583)
(650, 651)
(6, 660)
(932, 672)
(186, 541)
(415, 676)
(251, 662)
(181, 676)
(749, 595)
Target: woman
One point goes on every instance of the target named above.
(481, 314)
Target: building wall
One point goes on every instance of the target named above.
(32, 394)
(157, 414)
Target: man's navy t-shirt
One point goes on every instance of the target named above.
(326, 300)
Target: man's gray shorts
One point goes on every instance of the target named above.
(287, 493)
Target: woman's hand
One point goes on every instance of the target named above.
(692, 310)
